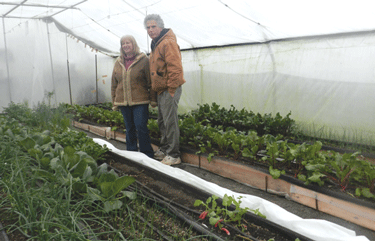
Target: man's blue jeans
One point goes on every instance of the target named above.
(136, 119)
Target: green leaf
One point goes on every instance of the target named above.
(35, 152)
(366, 193)
(112, 205)
(275, 173)
(79, 187)
(130, 195)
(213, 220)
(27, 143)
(70, 158)
(246, 153)
(102, 169)
(122, 183)
(107, 177)
(44, 174)
(94, 194)
(79, 169)
(316, 178)
(87, 175)
(358, 192)
(198, 203)
(302, 177)
(45, 162)
(55, 163)
(106, 188)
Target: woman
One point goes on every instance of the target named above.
(131, 93)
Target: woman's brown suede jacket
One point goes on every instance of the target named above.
(132, 86)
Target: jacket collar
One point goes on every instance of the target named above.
(155, 42)
(137, 58)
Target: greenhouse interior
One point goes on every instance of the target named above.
(310, 59)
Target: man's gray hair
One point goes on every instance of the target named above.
(156, 17)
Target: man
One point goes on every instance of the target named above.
(166, 79)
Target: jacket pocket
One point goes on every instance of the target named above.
(158, 82)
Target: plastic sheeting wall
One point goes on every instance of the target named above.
(37, 59)
(327, 83)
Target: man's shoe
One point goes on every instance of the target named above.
(168, 160)
(159, 155)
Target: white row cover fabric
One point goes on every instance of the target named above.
(315, 229)
(196, 23)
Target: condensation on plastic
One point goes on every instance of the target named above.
(315, 229)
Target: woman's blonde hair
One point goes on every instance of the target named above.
(136, 50)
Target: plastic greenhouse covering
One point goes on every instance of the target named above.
(313, 59)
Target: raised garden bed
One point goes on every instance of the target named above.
(358, 211)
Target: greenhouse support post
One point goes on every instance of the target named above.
(96, 78)
(201, 83)
(51, 61)
(7, 62)
(67, 62)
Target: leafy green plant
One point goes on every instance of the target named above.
(305, 153)
(153, 127)
(344, 167)
(80, 141)
(216, 131)
(110, 185)
(218, 215)
(222, 141)
(254, 144)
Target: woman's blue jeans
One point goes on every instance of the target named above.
(136, 119)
